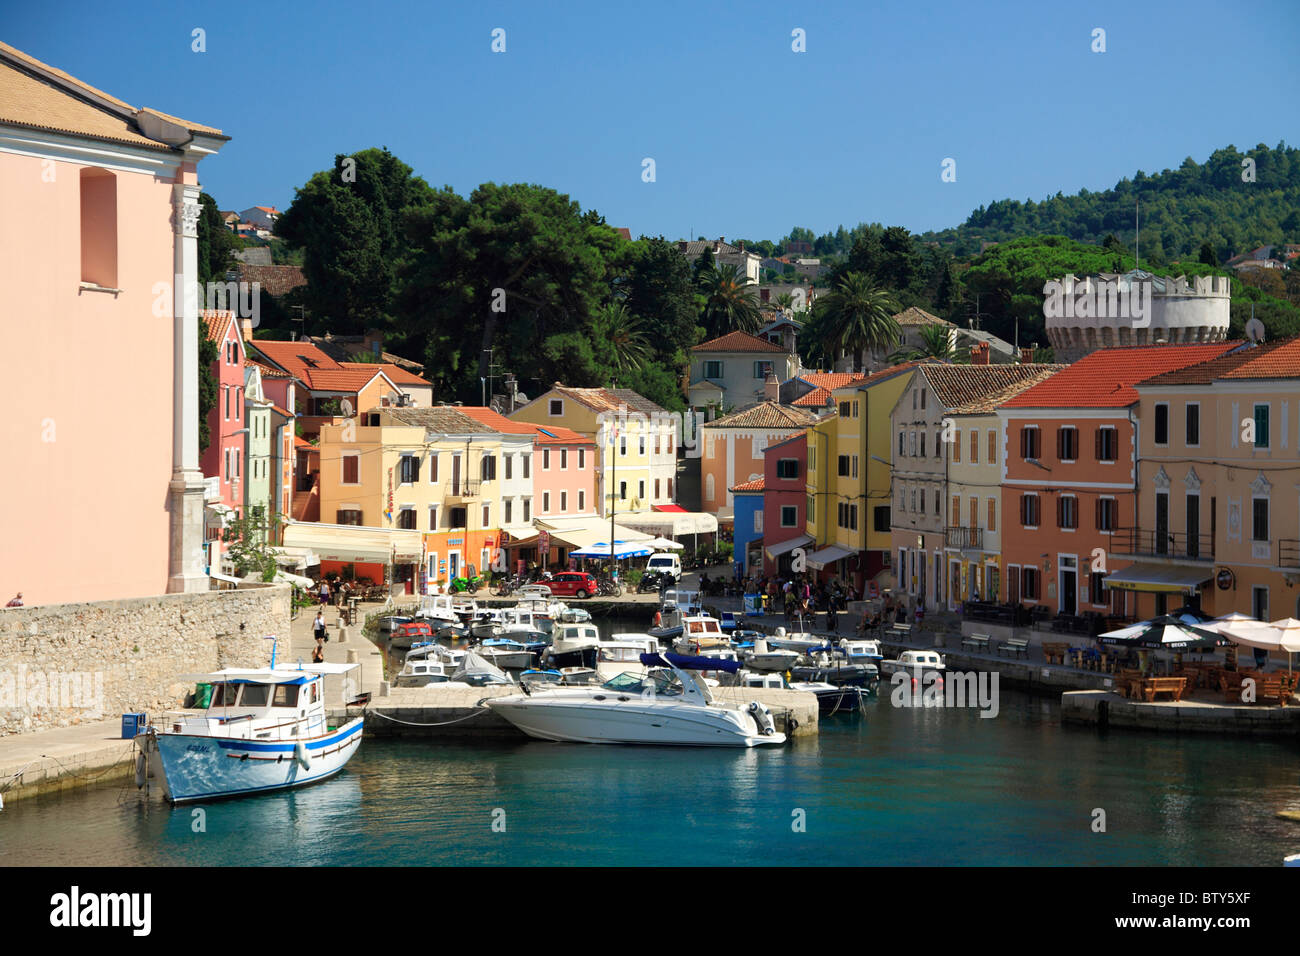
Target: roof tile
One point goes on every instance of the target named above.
(738, 341)
(766, 415)
(1105, 378)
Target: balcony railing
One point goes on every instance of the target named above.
(1288, 553)
(963, 538)
(1144, 542)
(464, 488)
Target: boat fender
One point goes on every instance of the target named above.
(300, 754)
(762, 718)
(141, 770)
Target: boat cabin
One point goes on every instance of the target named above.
(261, 704)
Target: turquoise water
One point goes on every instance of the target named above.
(891, 787)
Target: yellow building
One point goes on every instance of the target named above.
(849, 481)
(1218, 472)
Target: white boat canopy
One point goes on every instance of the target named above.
(267, 675)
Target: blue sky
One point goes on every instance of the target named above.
(748, 137)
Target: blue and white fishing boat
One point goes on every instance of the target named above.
(264, 729)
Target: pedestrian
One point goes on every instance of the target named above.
(324, 592)
(318, 631)
(16, 601)
(832, 622)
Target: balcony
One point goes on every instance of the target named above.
(1174, 546)
(964, 539)
(1288, 554)
(461, 490)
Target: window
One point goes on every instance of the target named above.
(1067, 511)
(761, 369)
(1105, 510)
(458, 517)
(488, 468)
(509, 460)
(1097, 588)
(901, 450)
(99, 228)
(487, 516)
(1162, 423)
(564, 501)
(433, 467)
(528, 507)
(1029, 583)
(408, 470)
(564, 458)
(880, 516)
(622, 488)
(1259, 602)
(922, 500)
(351, 469)
(546, 502)
(855, 408)
(922, 399)
(993, 514)
(993, 448)
(1259, 519)
(811, 505)
(1107, 444)
(844, 409)
(855, 464)
(843, 471)
(1067, 443)
(640, 489)
(528, 460)
(956, 445)
(406, 519)
(1193, 416)
(1029, 447)
(582, 458)
(622, 446)
(1261, 426)
(1029, 511)
(974, 447)
(911, 443)
(582, 501)
(656, 489)
(433, 517)
(713, 369)
(956, 511)
(507, 516)
(348, 516)
(758, 522)
(670, 489)
(922, 444)
(228, 391)
(787, 468)
(641, 445)
(789, 516)
(546, 459)
(556, 407)
(974, 511)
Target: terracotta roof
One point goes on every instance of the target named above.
(296, 358)
(340, 379)
(955, 385)
(216, 323)
(737, 341)
(284, 412)
(274, 280)
(916, 317)
(399, 375)
(1105, 378)
(300, 442)
(445, 419)
(819, 397)
(39, 96)
(875, 378)
(607, 399)
(755, 485)
(1203, 373)
(765, 415)
(266, 370)
(989, 402)
(1281, 361)
(829, 379)
(542, 434)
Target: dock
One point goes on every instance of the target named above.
(1105, 709)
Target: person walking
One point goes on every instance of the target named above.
(318, 631)
(324, 592)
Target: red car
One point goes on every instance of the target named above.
(577, 584)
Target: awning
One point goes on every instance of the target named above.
(589, 532)
(782, 547)
(674, 509)
(297, 558)
(341, 542)
(520, 536)
(1158, 578)
(669, 524)
(819, 559)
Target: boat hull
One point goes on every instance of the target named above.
(623, 722)
(197, 767)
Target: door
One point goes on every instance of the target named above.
(1162, 524)
(1013, 585)
(1068, 583)
(954, 583)
(453, 560)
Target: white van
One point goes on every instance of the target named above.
(665, 561)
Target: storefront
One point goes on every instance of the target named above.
(383, 556)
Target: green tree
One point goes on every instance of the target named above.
(936, 343)
(857, 317)
(728, 301)
(248, 541)
(622, 332)
(216, 243)
(1207, 256)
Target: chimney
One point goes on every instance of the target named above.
(979, 353)
(771, 387)
(1027, 355)
(246, 328)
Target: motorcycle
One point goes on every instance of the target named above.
(470, 584)
(653, 581)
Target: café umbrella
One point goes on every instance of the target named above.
(1165, 632)
(1283, 635)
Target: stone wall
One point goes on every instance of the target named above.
(66, 664)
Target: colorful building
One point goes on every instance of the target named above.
(101, 206)
(733, 448)
(785, 510)
(1069, 472)
(729, 373)
(747, 537)
(1218, 487)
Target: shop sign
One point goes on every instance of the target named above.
(1225, 579)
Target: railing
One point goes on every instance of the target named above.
(963, 538)
(465, 488)
(1288, 553)
(1145, 542)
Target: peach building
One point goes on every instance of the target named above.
(99, 245)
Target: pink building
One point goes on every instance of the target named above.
(785, 502)
(227, 430)
(99, 234)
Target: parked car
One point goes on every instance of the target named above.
(577, 584)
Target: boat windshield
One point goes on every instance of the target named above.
(657, 683)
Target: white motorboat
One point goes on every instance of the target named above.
(668, 705)
(264, 729)
(574, 645)
(916, 663)
(507, 654)
(525, 625)
(439, 611)
(701, 633)
(623, 652)
(859, 652)
(426, 673)
(800, 641)
(764, 658)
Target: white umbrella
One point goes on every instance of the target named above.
(668, 543)
(1283, 635)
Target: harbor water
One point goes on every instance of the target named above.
(892, 786)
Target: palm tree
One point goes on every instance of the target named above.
(728, 301)
(936, 343)
(624, 335)
(859, 317)
(785, 302)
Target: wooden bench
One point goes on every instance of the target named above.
(1055, 652)
(1128, 683)
(1152, 686)
(1276, 687)
(1019, 645)
(977, 642)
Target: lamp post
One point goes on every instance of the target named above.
(613, 490)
